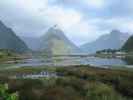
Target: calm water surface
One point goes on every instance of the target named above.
(69, 60)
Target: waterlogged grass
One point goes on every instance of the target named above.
(74, 83)
(26, 70)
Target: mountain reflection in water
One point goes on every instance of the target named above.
(71, 60)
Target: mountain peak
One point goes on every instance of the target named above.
(54, 42)
(116, 32)
(55, 29)
(114, 40)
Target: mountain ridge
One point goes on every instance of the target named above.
(128, 46)
(56, 43)
(114, 40)
(9, 40)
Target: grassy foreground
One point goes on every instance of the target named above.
(73, 83)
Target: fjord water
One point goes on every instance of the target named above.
(68, 61)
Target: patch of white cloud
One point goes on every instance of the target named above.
(33, 17)
(64, 18)
(97, 4)
(123, 24)
(83, 31)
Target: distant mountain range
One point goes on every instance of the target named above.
(128, 46)
(113, 40)
(32, 42)
(56, 43)
(9, 40)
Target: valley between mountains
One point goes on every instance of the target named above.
(52, 67)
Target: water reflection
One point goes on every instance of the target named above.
(105, 61)
(129, 60)
(72, 60)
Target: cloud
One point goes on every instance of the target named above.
(123, 24)
(95, 3)
(81, 20)
(65, 18)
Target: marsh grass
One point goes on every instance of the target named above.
(75, 83)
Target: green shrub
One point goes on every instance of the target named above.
(100, 91)
(4, 95)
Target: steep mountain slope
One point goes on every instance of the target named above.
(32, 42)
(54, 42)
(128, 46)
(8, 40)
(114, 40)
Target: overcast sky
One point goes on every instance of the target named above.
(81, 20)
